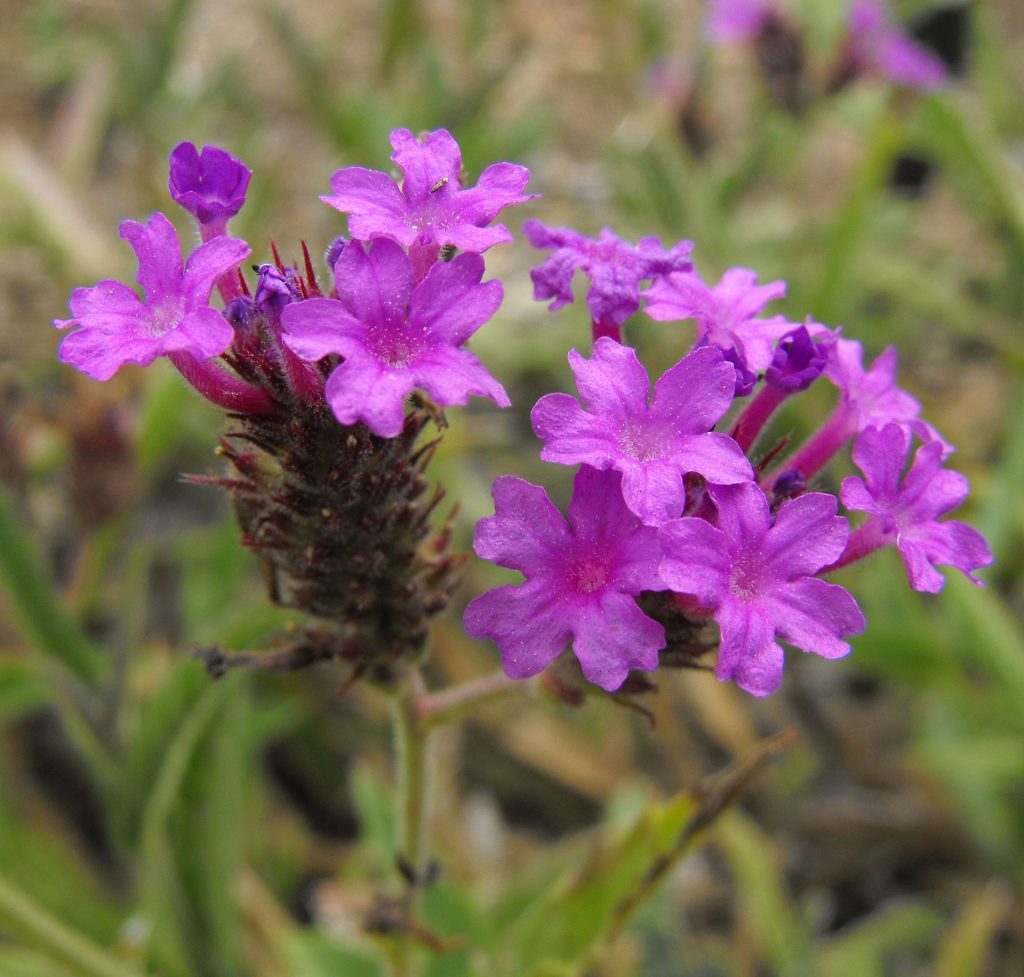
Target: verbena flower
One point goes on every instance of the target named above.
(396, 334)
(615, 269)
(905, 511)
(431, 208)
(757, 579)
(582, 578)
(736, 20)
(210, 185)
(653, 445)
(112, 326)
(726, 315)
(874, 45)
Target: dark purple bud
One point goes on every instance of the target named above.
(745, 379)
(333, 252)
(788, 485)
(210, 185)
(797, 363)
(275, 289)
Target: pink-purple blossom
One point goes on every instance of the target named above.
(210, 185)
(652, 444)
(756, 577)
(726, 315)
(615, 269)
(737, 20)
(582, 578)
(905, 511)
(112, 326)
(874, 45)
(431, 208)
(396, 334)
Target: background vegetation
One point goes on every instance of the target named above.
(152, 821)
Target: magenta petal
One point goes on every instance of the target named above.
(695, 392)
(743, 513)
(375, 286)
(653, 490)
(202, 334)
(807, 536)
(748, 653)
(362, 389)
(451, 376)
(570, 434)
(854, 494)
(812, 615)
(374, 203)
(613, 638)
(156, 245)
(696, 559)
(715, 456)
(526, 531)
(207, 263)
(614, 383)
(950, 543)
(101, 354)
(524, 623)
(318, 327)
(451, 303)
(426, 163)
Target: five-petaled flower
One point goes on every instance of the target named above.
(615, 269)
(653, 445)
(396, 334)
(115, 327)
(582, 578)
(757, 579)
(431, 208)
(906, 512)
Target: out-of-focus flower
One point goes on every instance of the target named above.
(615, 269)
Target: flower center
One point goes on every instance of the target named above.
(644, 442)
(588, 573)
(397, 348)
(164, 317)
(745, 581)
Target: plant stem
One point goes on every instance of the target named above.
(454, 704)
(22, 917)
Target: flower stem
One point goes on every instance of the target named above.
(23, 918)
(454, 704)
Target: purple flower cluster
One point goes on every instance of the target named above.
(871, 45)
(397, 319)
(712, 520)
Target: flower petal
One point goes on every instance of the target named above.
(748, 653)
(813, 615)
(612, 637)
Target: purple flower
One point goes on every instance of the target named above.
(396, 334)
(210, 185)
(872, 45)
(906, 512)
(431, 208)
(726, 315)
(615, 269)
(758, 580)
(654, 445)
(114, 327)
(581, 580)
(737, 20)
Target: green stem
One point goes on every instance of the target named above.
(22, 917)
(454, 704)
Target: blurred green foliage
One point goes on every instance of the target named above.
(155, 822)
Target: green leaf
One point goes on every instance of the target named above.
(861, 950)
(35, 606)
(312, 954)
